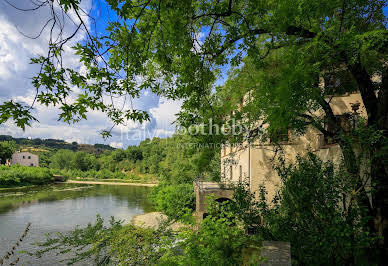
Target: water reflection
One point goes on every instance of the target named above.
(60, 208)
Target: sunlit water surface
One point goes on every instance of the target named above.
(60, 208)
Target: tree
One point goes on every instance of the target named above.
(314, 211)
(63, 159)
(134, 154)
(7, 148)
(176, 201)
(180, 47)
(118, 155)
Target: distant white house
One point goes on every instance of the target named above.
(25, 159)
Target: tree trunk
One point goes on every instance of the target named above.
(380, 204)
(377, 111)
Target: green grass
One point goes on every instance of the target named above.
(154, 181)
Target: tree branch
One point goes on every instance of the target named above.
(367, 90)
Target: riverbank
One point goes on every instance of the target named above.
(61, 208)
(17, 187)
(154, 220)
(90, 182)
(20, 176)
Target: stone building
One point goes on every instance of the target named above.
(25, 159)
(253, 163)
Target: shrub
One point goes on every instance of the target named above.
(176, 201)
(109, 245)
(315, 213)
(16, 175)
(215, 241)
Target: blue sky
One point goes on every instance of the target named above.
(16, 73)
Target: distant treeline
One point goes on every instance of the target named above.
(169, 159)
(57, 144)
(173, 160)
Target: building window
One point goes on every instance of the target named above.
(231, 172)
(24, 157)
(32, 164)
(29, 157)
(240, 178)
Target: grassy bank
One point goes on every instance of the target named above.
(105, 175)
(17, 176)
(109, 182)
(148, 181)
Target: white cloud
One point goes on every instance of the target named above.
(16, 50)
(118, 145)
(71, 140)
(16, 73)
(15, 83)
(165, 112)
(198, 42)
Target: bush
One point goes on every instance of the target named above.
(315, 213)
(176, 201)
(215, 241)
(17, 175)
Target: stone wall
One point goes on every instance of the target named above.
(25, 159)
(203, 190)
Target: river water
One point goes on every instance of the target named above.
(60, 208)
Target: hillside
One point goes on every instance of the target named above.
(43, 145)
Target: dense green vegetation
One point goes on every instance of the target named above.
(307, 211)
(23, 175)
(56, 144)
(172, 161)
(316, 210)
(7, 148)
(179, 48)
(177, 201)
(215, 241)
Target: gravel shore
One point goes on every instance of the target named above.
(153, 220)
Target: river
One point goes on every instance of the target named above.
(60, 208)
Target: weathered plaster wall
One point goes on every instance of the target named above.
(257, 160)
(25, 159)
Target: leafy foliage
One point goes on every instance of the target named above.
(176, 201)
(23, 175)
(315, 210)
(7, 148)
(179, 48)
(175, 160)
(180, 52)
(56, 144)
(216, 241)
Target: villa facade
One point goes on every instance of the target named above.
(253, 164)
(25, 159)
